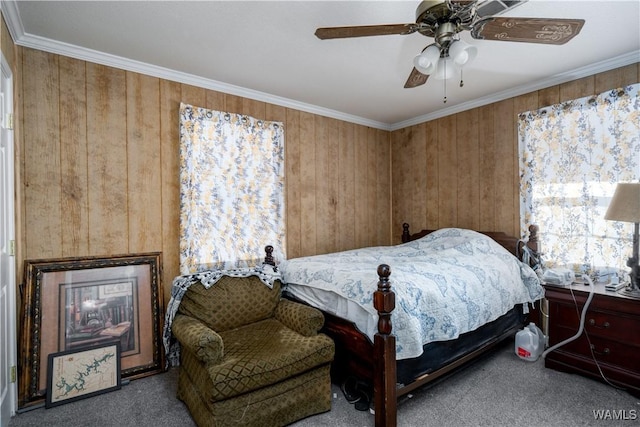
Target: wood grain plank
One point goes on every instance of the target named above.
(361, 176)
(170, 96)
(276, 113)
(214, 100)
(107, 150)
(19, 164)
(293, 179)
(402, 199)
(383, 191)
(616, 78)
(577, 89)
(396, 200)
(333, 150)
(233, 104)
(42, 156)
(325, 210)
(372, 220)
(253, 108)
(144, 186)
(308, 205)
(488, 163)
(447, 169)
(346, 186)
(521, 104)
(73, 158)
(506, 218)
(419, 162)
(433, 172)
(468, 169)
(193, 95)
(548, 96)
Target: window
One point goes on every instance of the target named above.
(572, 155)
(231, 190)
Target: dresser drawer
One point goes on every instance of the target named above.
(612, 324)
(597, 323)
(604, 350)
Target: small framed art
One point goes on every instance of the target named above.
(78, 374)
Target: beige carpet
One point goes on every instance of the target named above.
(500, 390)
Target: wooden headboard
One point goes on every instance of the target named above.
(510, 243)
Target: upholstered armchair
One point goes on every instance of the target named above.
(249, 357)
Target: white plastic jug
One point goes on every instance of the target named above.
(530, 343)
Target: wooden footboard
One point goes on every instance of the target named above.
(384, 348)
(386, 391)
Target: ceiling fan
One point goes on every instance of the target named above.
(444, 19)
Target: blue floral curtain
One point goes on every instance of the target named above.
(231, 190)
(572, 155)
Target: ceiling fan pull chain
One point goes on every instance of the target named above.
(444, 101)
(461, 81)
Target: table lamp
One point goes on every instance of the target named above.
(625, 206)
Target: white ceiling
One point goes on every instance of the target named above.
(267, 50)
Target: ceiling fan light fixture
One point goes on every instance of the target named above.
(446, 69)
(462, 52)
(443, 20)
(427, 61)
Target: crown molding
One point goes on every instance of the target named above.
(14, 23)
(599, 67)
(12, 18)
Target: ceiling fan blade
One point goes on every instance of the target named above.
(527, 30)
(416, 78)
(364, 31)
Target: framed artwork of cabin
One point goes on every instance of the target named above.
(76, 303)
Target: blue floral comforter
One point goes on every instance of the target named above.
(447, 283)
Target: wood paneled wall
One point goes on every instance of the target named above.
(462, 170)
(99, 173)
(97, 164)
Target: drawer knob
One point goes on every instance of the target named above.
(605, 352)
(605, 325)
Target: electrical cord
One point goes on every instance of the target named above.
(582, 317)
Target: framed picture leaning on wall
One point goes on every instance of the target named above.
(78, 374)
(74, 303)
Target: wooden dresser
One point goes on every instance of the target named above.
(611, 335)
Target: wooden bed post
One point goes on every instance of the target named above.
(268, 259)
(532, 241)
(533, 244)
(384, 345)
(405, 233)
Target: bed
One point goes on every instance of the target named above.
(400, 331)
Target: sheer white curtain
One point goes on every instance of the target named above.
(571, 157)
(231, 189)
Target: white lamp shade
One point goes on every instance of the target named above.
(462, 52)
(427, 61)
(446, 69)
(625, 204)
